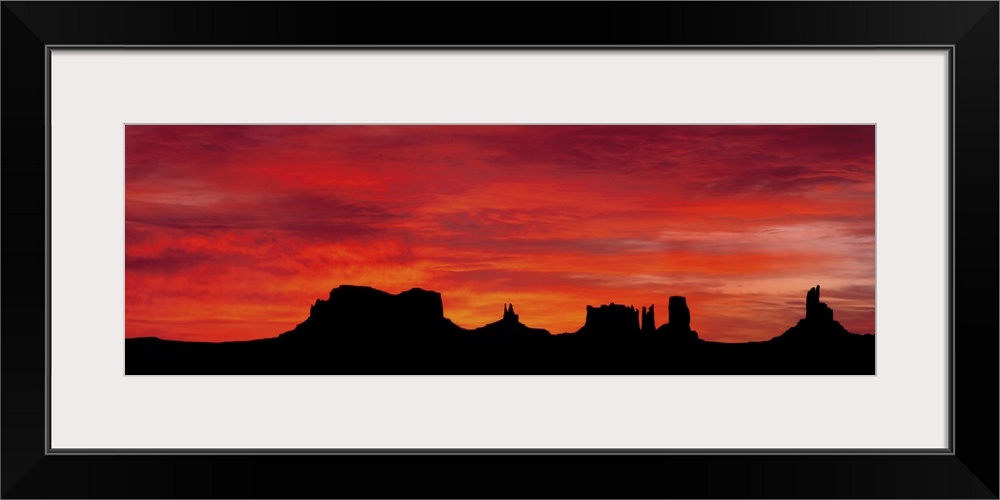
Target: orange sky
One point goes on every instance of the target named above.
(232, 232)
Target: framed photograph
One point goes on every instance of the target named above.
(458, 221)
(290, 236)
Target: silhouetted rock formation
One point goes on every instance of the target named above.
(611, 319)
(648, 320)
(816, 310)
(818, 326)
(678, 326)
(361, 314)
(508, 328)
(508, 314)
(679, 316)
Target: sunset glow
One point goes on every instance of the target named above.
(232, 232)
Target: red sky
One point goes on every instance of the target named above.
(232, 232)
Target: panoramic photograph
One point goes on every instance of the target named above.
(499, 250)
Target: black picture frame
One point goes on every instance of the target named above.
(970, 29)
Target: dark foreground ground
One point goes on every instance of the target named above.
(467, 355)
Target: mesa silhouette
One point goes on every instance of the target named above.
(360, 330)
